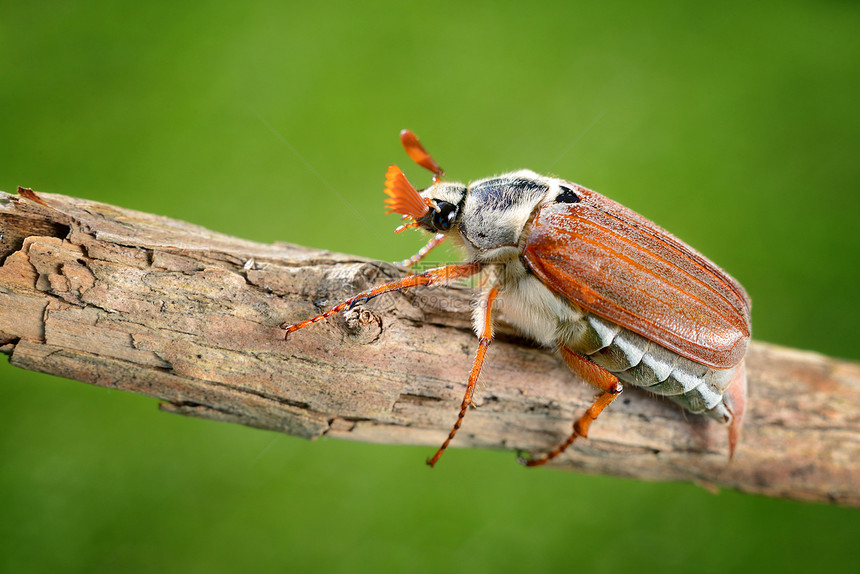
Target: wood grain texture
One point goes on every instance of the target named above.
(155, 306)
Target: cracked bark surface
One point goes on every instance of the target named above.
(155, 306)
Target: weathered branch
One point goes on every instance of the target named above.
(160, 307)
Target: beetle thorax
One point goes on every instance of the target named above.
(497, 209)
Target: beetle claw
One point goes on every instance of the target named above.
(523, 457)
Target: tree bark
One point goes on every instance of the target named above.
(163, 308)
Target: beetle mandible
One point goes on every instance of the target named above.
(618, 297)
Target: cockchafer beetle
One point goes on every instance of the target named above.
(620, 298)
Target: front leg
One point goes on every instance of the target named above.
(422, 253)
(431, 277)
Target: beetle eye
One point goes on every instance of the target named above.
(567, 195)
(443, 218)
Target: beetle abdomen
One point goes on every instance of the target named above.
(530, 306)
(643, 363)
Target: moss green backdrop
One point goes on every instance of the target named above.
(735, 125)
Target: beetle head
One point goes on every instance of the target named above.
(435, 209)
(447, 203)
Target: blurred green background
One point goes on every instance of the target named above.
(734, 124)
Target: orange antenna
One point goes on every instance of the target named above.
(402, 197)
(420, 155)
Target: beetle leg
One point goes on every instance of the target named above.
(431, 277)
(597, 376)
(422, 253)
(483, 342)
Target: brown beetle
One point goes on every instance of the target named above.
(620, 298)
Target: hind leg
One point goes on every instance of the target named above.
(597, 376)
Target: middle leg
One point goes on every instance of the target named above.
(483, 342)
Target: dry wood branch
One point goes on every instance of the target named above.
(147, 304)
